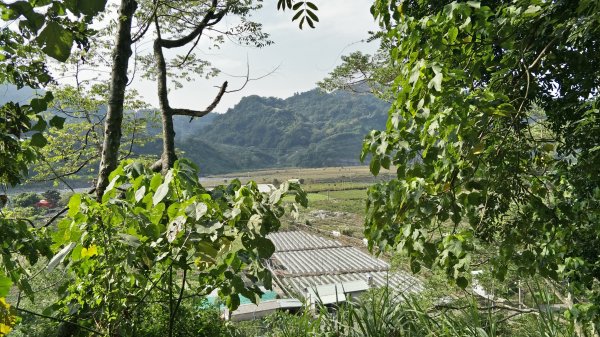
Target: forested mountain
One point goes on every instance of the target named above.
(311, 129)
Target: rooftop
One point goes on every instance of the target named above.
(304, 261)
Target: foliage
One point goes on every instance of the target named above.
(73, 151)
(21, 247)
(194, 318)
(361, 73)
(305, 11)
(138, 239)
(52, 195)
(383, 312)
(26, 199)
(44, 28)
(17, 153)
(494, 134)
(7, 317)
(288, 325)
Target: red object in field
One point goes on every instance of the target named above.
(44, 203)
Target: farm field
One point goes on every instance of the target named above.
(315, 178)
(336, 195)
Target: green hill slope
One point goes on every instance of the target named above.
(310, 129)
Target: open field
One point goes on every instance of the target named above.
(324, 178)
(336, 195)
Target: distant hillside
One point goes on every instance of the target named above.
(311, 129)
(10, 93)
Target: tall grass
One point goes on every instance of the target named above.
(384, 313)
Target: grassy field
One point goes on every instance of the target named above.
(336, 195)
(316, 179)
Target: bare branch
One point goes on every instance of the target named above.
(206, 21)
(147, 24)
(248, 79)
(197, 113)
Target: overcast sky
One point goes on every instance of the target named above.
(304, 56)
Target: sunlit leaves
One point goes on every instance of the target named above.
(488, 162)
(22, 245)
(60, 256)
(5, 284)
(155, 222)
(56, 41)
(8, 318)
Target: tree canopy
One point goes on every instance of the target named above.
(495, 138)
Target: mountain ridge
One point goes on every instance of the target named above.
(309, 129)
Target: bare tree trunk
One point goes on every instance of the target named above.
(168, 156)
(114, 116)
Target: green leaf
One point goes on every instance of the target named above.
(201, 210)
(60, 256)
(415, 267)
(57, 122)
(34, 20)
(91, 7)
(312, 15)
(139, 194)
(160, 194)
(462, 282)
(374, 166)
(275, 197)
(74, 204)
(532, 10)
(436, 82)
(39, 104)
(40, 126)
(265, 248)
(297, 15)
(474, 4)
(38, 140)
(452, 34)
(310, 22)
(5, 285)
(312, 6)
(297, 5)
(56, 41)
(155, 182)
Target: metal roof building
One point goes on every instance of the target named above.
(303, 261)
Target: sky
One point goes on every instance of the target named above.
(301, 57)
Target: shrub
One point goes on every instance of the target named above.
(26, 199)
(193, 319)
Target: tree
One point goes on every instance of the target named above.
(122, 52)
(73, 152)
(44, 28)
(146, 234)
(494, 136)
(118, 82)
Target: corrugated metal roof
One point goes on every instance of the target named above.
(328, 260)
(298, 240)
(398, 280)
(303, 261)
